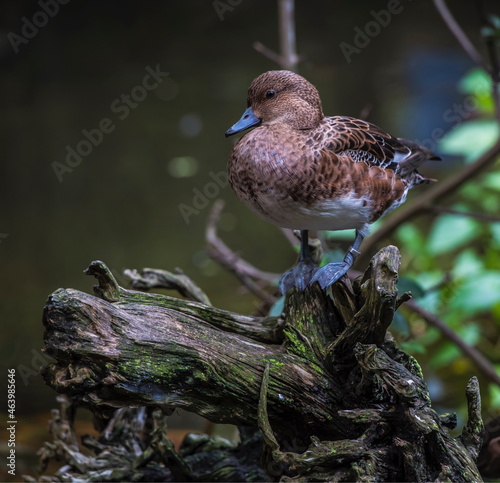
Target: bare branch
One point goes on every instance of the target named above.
(246, 273)
(471, 352)
(459, 34)
(150, 278)
(494, 70)
(267, 52)
(289, 57)
(478, 216)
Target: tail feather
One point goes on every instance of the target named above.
(419, 155)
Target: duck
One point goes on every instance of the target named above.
(300, 169)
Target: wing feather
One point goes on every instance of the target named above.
(366, 142)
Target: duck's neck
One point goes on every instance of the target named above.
(305, 116)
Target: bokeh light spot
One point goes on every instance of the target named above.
(182, 167)
(190, 125)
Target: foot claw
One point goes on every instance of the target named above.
(299, 276)
(329, 274)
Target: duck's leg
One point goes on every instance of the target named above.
(331, 272)
(300, 275)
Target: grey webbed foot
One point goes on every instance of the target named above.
(299, 276)
(329, 273)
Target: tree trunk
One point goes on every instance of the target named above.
(332, 395)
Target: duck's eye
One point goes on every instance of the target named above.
(270, 94)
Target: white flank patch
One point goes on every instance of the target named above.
(341, 214)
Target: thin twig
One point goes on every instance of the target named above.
(478, 216)
(246, 273)
(459, 34)
(287, 34)
(472, 353)
(151, 278)
(267, 52)
(491, 47)
(287, 58)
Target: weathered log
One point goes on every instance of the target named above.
(324, 381)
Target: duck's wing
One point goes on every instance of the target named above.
(364, 142)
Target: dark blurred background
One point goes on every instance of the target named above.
(120, 204)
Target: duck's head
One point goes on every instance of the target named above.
(280, 96)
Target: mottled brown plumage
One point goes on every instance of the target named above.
(302, 170)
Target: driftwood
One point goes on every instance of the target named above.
(332, 395)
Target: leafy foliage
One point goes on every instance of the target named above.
(452, 263)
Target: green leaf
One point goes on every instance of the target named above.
(412, 347)
(430, 336)
(494, 20)
(450, 232)
(340, 235)
(495, 232)
(466, 264)
(474, 82)
(335, 255)
(495, 311)
(431, 301)
(470, 139)
(277, 307)
(409, 234)
(489, 32)
(470, 333)
(406, 284)
(495, 394)
(479, 292)
(399, 323)
(447, 354)
(472, 191)
(430, 279)
(492, 180)
(477, 86)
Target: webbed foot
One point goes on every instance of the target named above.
(299, 276)
(330, 273)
